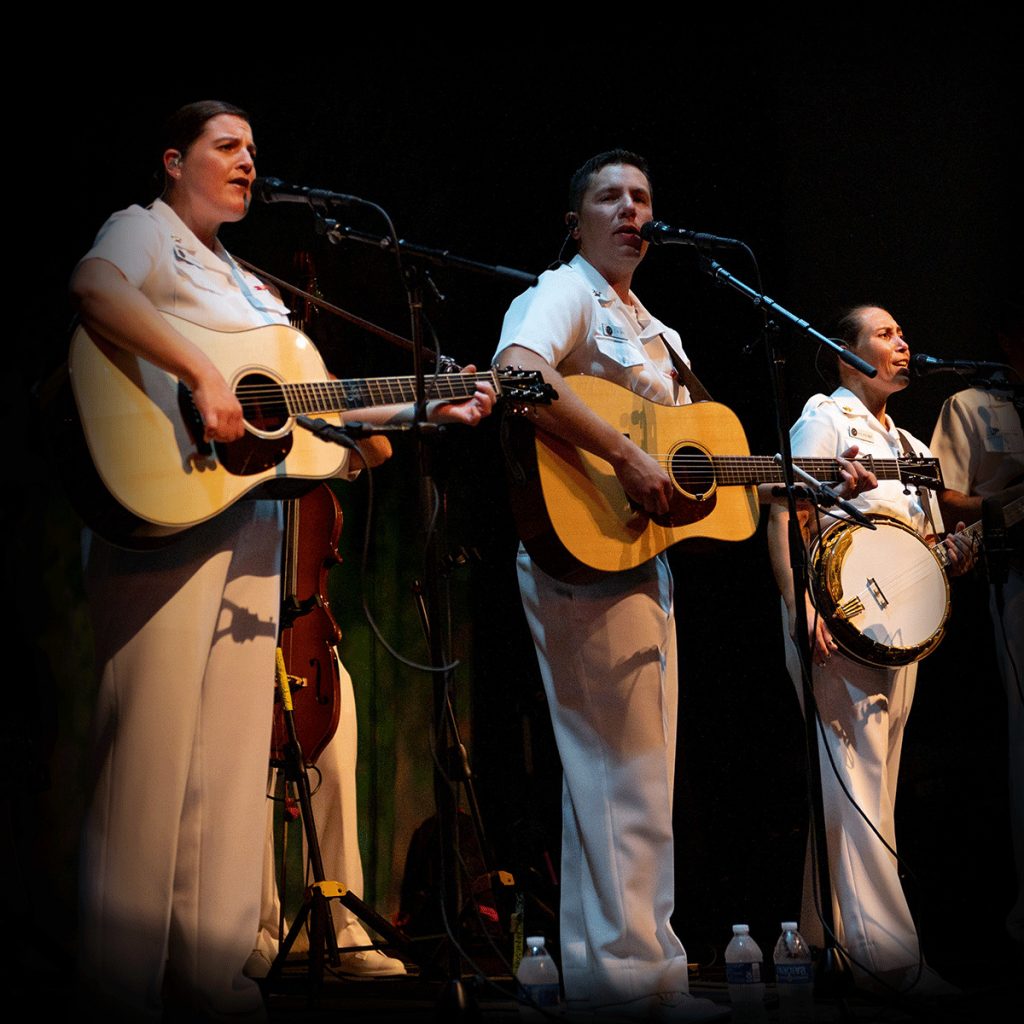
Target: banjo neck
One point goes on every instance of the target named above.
(975, 533)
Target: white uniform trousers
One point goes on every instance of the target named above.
(171, 854)
(607, 655)
(864, 711)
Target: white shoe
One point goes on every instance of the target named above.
(370, 963)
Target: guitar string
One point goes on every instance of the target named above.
(722, 464)
(733, 469)
(458, 386)
(381, 383)
(504, 376)
(327, 394)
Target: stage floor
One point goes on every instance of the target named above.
(488, 998)
(295, 997)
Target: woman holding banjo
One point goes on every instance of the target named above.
(864, 706)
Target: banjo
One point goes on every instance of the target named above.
(884, 592)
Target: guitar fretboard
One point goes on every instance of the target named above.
(748, 470)
(341, 395)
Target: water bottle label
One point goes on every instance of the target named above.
(793, 974)
(543, 995)
(743, 974)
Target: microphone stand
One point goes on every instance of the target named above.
(439, 257)
(832, 976)
(455, 1001)
(823, 496)
(316, 901)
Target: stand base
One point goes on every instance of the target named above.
(456, 1003)
(832, 975)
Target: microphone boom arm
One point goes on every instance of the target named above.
(719, 273)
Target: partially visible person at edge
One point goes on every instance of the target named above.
(979, 440)
(185, 636)
(864, 709)
(607, 650)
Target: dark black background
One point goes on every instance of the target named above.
(874, 174)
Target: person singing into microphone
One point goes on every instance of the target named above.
(185, 636)
(863, 709)
(607, 650)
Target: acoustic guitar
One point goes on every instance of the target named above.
(149, 474)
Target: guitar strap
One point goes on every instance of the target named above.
(927, 498)
(321, 303)
(698, 393)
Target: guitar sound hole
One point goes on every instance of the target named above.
(263, 404)
(692, 470)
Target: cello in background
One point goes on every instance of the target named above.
(309, 634)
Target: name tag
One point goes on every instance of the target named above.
(1004, 436)
(861, 434)
(616, 345)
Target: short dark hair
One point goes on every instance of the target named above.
(846, 324)
(581, 179)
(843, 326)
(186, 124)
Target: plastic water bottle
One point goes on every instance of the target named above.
(744, 972)
(794, 980)
(537, 976)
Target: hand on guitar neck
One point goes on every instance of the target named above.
(960, 550)
(856, 479)
(468, 411)
(374, 450)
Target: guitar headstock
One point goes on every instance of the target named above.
(524, 387)
(917, 471)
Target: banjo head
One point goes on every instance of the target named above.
(883, 592)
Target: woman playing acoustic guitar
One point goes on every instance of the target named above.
(185, 636)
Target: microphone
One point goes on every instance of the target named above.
(274, 190)
(922, 365)
(657, 232)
